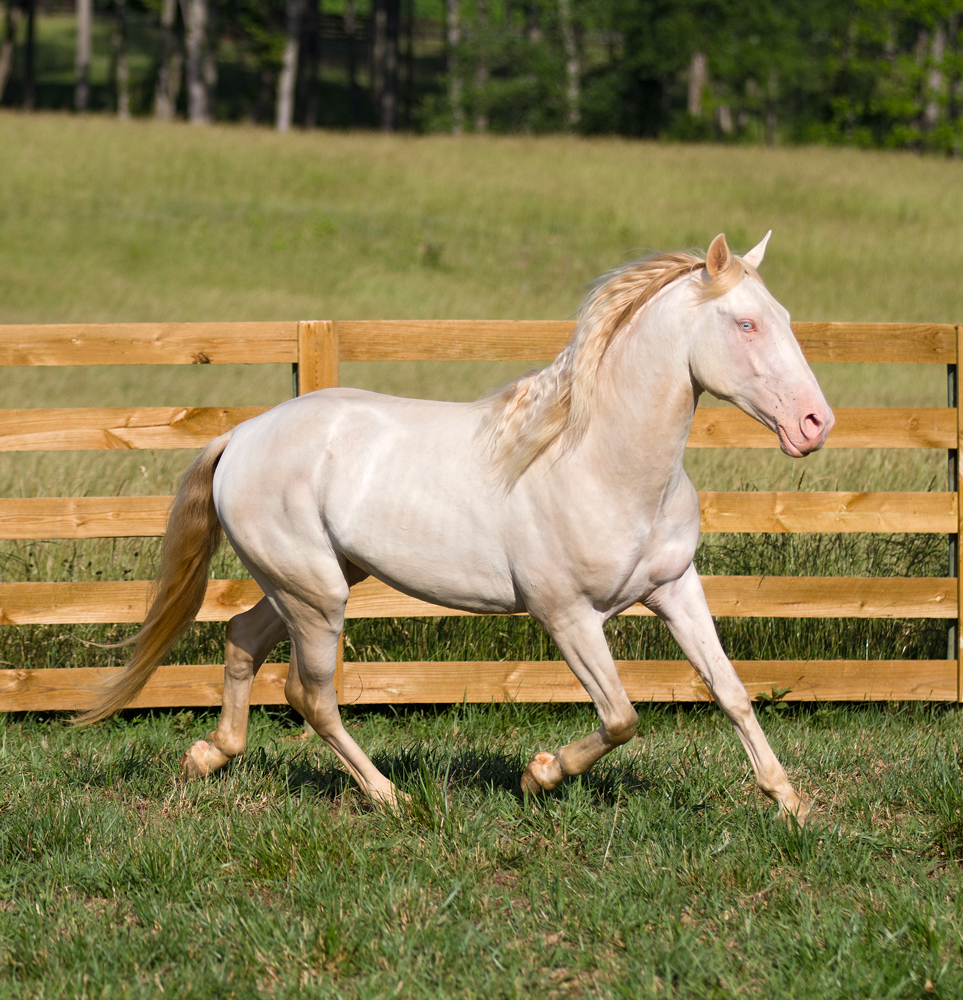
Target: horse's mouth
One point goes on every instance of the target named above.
(787, 446)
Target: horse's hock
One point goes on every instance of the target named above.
(316, 349)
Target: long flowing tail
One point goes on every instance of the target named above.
(193, 536)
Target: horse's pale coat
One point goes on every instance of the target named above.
(596, 514)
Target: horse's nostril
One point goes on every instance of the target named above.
(811, 425)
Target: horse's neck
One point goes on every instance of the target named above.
(644, 402)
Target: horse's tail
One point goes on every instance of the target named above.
(193, 536)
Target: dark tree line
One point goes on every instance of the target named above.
(866, 72)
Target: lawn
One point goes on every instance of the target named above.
(663, 873)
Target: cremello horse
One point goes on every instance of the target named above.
(563, 496)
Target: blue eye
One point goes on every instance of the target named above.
(747, 325)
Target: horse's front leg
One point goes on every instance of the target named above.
(582, 643)
(682, 606)
(250, 637)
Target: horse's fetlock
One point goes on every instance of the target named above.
(621, 729)
(228, 744)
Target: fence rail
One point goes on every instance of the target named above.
(316, 350)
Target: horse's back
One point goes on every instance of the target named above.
(399, 487)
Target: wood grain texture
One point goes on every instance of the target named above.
(485, 682)
(85, 429)
(646, 681)
(790, 511)
(148, 343)
(739, 597)
(728, 597)
(318, 356)
(452, 340)
(171, 687)
(867, 427)
(108, 602)
(513, 340)
(933, 343)
(91, 429)
(739, 511)
(84, 517)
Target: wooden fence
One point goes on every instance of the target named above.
(316, 348)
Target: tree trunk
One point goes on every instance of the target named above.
(121, 63)
(455, 88)
(934, 80)
(29, 95)
(85, 16)
(169, 74)
(389, 91)
(349, 34)
(573, 74)
(196, 17)
(310, 62)
(6, 46)
(284, 112)
(379, 31)
(482, 69)
(409, 63)
(698, 76)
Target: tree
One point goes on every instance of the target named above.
(169, 72)
(85, 17)
(287, 78)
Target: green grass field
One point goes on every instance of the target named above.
(661, 874)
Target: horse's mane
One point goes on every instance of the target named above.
(536, 410)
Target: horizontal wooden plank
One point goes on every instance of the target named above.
(410, 340)
(82, 429)
(866, 427)
(792, 511)
(148, 343)
(88, 429)
(486, 682)
(646, 681)
(84, 517)
(515, 340)
(452, 340)
(111, 601)
(728, 597)
(740, 511)
(171, 687)
(933, 343)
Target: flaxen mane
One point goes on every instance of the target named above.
(538, 409)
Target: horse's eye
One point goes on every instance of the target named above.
(747, 325)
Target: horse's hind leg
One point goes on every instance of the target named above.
(314, 641)
(250, 637)
(582, 643)
(682, 606)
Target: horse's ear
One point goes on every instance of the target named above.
(718, 258)
(755, 255)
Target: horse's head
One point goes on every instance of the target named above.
(744, 351)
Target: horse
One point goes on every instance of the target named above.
(563, 496)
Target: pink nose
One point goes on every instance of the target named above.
(815, 427)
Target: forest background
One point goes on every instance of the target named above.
(885, 73)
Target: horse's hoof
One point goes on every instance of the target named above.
(543, 773)
(390, 801)
(801, 812)
(196, 763)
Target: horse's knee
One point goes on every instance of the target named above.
(622, 726)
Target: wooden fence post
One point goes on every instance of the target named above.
(318, 368)
(956, 541)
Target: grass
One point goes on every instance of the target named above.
(663, 872)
